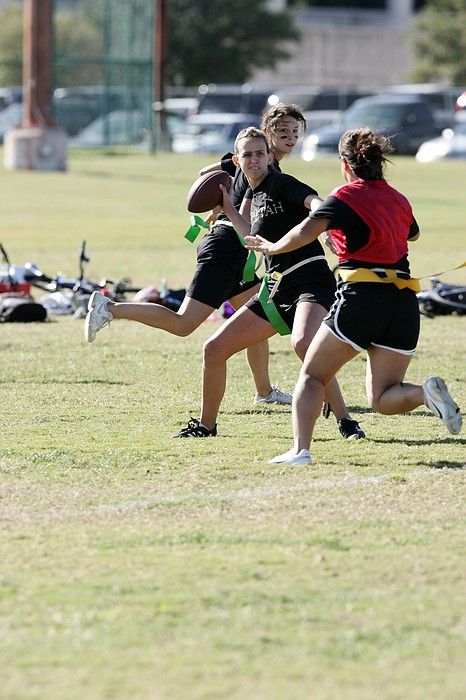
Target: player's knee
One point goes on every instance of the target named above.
(214, 350)
(376, 404)
(300, 344)
(185, 325)
(185, 329)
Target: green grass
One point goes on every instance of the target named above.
(134, 565)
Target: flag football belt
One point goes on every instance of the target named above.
(197, 222)
(388, 276)
(380, 274)
(278, 276)
(268, 305)
(266, 298)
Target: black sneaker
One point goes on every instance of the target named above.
(350, 429)
(196, 429)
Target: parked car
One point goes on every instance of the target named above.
(320, 105)
(74, 114)
(9, 95)
(175, 110)
(10, 117)
(181, 106)
(244, 99)
(408, 121)
(76, 107)
(211, 132)
(451, 144)
(120, 127)
(460, 107)
(441, 98)
(73, 109)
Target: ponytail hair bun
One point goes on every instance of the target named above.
(365, 152)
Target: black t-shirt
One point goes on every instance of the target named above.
(277, 206)
(357, 232)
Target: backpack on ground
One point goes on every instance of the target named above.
(16, 307)
(16, 302)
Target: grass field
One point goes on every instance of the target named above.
(137, 566)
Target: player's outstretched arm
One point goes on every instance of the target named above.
(313, 202)
(242, 225)
(305, 232)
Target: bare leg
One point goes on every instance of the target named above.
(258, 361)
(388, 393)
(240, 331)
(385, 389)
(183, 322)
(307, 321)
(258, 354)
(325, 356)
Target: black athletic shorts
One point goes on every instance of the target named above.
(368, 313)
(220, 264)
(320, 290)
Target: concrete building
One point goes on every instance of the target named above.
(364, 43)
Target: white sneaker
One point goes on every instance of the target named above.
(438, 399)
(275, 396)
(292, 457)
(98, 315)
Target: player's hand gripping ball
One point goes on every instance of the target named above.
(205, 193)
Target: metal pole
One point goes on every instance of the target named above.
(159, 56)
(160, 50)
(37, 59)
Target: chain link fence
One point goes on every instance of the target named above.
(108, 74)
(102, 70)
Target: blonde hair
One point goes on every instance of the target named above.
(251, 132)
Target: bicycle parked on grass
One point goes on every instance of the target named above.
(70, 295)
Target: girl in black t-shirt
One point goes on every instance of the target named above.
(301, 297)
(218, 276)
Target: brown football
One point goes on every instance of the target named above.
(205, 193)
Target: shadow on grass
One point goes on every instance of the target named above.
(360, 409)
(108, 382)
(445, 464)
(275, 408)
(410, 443)
(141, 177)
(257, 410)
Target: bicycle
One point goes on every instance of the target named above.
(72, 294)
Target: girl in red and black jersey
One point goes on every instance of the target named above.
(369, 225)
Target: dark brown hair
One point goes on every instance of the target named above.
(365, 152)
(272, 117)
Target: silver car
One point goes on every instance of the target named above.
(211, 132)
(451, 144)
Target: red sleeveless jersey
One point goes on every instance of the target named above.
(386, 212)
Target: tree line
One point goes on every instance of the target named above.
(218, 41)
